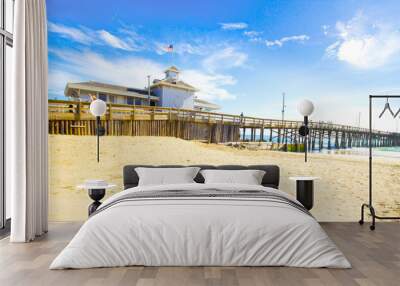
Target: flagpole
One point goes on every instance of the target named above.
(170, 50)
(172, 56)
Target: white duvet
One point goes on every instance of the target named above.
(200, 231)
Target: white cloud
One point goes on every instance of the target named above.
(57, 80)
(114, 41)
(252, 34)
(224, 59)
(280, 42)
(211, 86)
(325, 29)
(87, 36)
(182, 48)
(331, 50)
(135, 41)
(256, 40)
(363, 44)
(77, 35)
(233, 26)
(130, 71)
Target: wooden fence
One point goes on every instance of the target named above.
(74, 118)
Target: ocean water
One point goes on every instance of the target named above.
(384, 152)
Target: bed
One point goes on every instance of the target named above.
(198, 224)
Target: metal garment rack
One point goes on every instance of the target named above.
(370, 205)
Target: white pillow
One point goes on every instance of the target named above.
(166, 176)
(248, 177)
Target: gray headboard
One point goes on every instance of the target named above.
(271, 177)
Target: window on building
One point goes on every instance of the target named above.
(103, 97)
(111, 98)
(130, 101)
(6, 62)
(138, 101)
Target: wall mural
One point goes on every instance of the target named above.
(220, 83)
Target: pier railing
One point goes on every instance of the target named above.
(61, 110)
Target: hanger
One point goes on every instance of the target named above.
(397, 113)
(387, 107)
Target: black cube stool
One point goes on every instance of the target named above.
(305, 190)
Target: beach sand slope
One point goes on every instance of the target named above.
(342, 188)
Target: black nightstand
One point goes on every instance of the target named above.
(96, 193)
(305, 190)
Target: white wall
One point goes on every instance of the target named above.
(176, 98)
(158, 92)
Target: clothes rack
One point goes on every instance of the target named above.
(369, 205)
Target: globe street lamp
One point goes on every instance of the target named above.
(305, 108)
(98, 108)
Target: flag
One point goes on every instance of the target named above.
(169, 48)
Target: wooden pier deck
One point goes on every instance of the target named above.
(74, 118)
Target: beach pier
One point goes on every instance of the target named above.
(74, 118)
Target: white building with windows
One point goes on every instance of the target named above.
(167, 92)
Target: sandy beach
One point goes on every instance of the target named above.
(342, 187)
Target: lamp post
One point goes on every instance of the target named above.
(305, 108)
(98, 108)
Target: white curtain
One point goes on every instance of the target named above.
(27, 127)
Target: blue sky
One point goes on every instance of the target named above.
(240, 54)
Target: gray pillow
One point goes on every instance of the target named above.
(166, 176)
(247, 177)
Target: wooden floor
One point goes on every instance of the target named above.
(375, 257)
